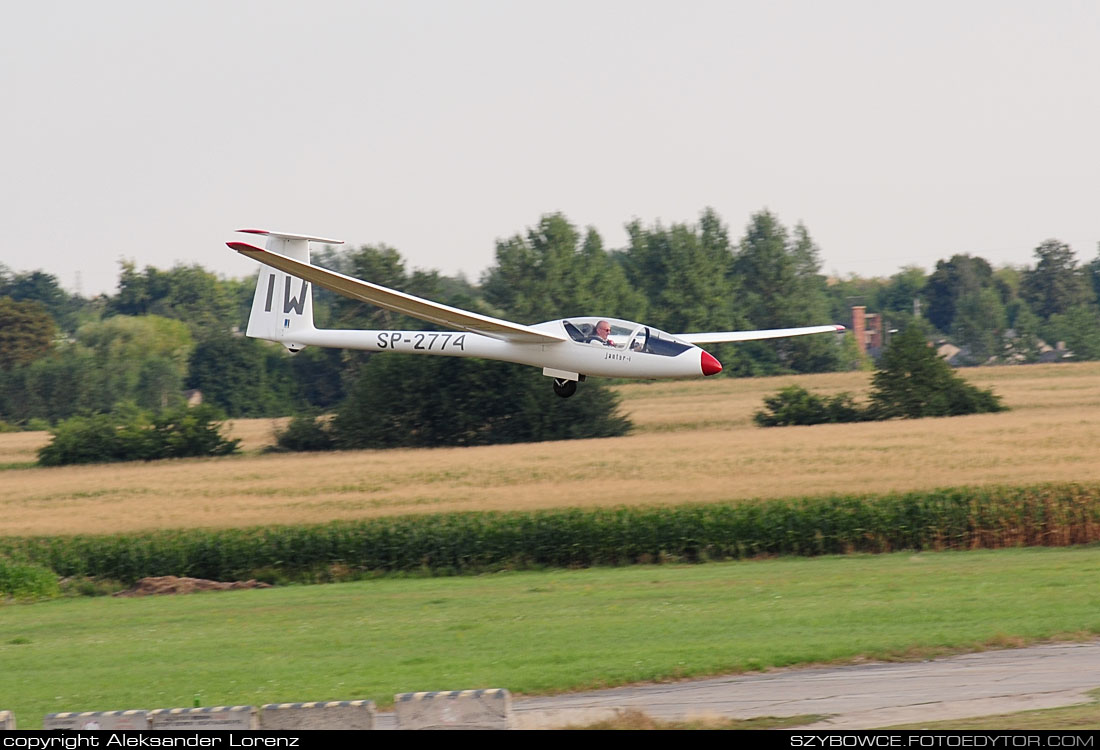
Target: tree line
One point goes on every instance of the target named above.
(166, 331)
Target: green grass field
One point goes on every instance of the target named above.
(534, 632)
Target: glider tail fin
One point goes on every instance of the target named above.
(283, 305)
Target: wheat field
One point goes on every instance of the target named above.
(694, 441)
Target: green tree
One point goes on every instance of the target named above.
(960, 276)
(50, 388)
(1023, 343)
(318, 376)
(902, 299)
(26, 332)
(1092, 272)
(1079, 328)
(782, 287)
(912, 382)
(403, 400)
(554, 272)
(244, 377)
(43, 288)
(1056, 284)
(683, 273)
(207, 304)
(141, 359)
(979, 325)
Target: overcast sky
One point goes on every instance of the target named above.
(898, 132)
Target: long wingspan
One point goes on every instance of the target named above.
(721, 337)
(407, 304)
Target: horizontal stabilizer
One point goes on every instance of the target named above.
(722, 337)
(285, 236)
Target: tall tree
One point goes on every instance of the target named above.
(43, 288)
(952, 279)
(979, 325)
(26, 332)
(1093, 273)
(780, 281)
(913, 382)
(207, 304)
(554, 272)
(1078, 328)
(138, 358)
(1056, 284)
(233, 374)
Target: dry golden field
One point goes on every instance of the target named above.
(695, 441)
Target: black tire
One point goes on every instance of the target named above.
(565, 388)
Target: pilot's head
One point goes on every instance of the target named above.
(603, 329)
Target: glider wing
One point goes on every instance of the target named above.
(407, 304)
(721, 337)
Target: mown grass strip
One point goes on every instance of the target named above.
(442, 544)
(534, 632)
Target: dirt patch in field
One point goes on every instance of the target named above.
(176, 585)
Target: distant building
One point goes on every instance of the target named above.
(867, 328)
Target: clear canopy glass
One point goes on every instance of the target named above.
(624, 335)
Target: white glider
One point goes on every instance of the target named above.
(567, 350)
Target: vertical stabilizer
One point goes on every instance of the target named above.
(283, 305)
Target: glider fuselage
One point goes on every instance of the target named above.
(627, 357)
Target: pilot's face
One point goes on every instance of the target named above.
(603, 330)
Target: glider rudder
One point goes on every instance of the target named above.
(283, 304)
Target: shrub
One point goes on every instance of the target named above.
(305, 433)
(26, 580)
(137, 436)
(795, 405)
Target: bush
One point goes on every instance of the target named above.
(305, 434)
(912, 381)
(137, 436)
(795, 405)
(26, 580)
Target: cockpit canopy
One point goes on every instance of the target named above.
(625, 336)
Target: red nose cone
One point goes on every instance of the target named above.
(710, 365)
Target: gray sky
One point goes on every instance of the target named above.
(898, 132)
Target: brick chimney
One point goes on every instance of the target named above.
(859, 327)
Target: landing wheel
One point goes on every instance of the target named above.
(565, 388)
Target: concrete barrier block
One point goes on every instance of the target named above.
(318, 715)
(107, 720)
(7, 721)
(456, 709)
(209, 717)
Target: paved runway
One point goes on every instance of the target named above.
(854, 697)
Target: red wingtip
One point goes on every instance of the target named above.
(710, 365)
(243, 247)
(840, 329)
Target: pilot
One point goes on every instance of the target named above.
(601, 334)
